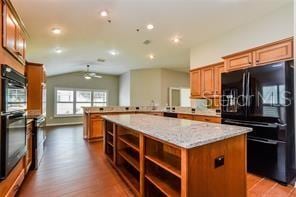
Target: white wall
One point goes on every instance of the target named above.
(275, 26)
(124, 89)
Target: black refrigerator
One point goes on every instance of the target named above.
(263, 98)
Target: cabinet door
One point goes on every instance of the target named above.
(195, 84)
(20, 44)
(218, 70)
(239, 61)
(207, 81)
(96, 130)
(276, 52)
(10, 30)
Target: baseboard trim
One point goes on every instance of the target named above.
(63, 124)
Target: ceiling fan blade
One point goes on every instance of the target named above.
(98, 76)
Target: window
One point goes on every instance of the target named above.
(70, 101)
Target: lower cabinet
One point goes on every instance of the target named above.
(93, 126)
(10, 186)
(201, 118)
(208, 119)
(96, 129)
(185, 116)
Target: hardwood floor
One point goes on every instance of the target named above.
(73, 167)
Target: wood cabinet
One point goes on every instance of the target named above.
(218, 70)
(36, 90)
(206, 81)
(201, 118)
(239, 61)
(14, 36)
(96, 126)
(153, 167)
(195, 83)
(93, 126)
(185, 116)
(277, 51)
(211, 119)
(12, 183)
(274, 52)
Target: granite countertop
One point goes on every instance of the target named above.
(199, 113)
(180, 132)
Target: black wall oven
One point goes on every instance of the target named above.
(13, 119)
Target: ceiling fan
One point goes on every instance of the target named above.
(89, 75)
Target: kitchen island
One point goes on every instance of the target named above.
(161, 156)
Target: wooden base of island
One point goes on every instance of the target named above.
(152, 167)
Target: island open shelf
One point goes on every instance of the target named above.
(155, 167)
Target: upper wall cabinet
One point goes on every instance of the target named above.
(281, 50)
(195, 85)
(274, 52)
(218, 70)
(239, 61)
(14, 40)
(206, 81)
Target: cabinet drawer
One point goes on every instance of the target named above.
(208, 119)
(239, 61)
(16, 185)
(185, 116)
(274, 52)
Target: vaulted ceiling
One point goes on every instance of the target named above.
(86, 36)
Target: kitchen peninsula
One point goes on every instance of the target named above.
(156, 155)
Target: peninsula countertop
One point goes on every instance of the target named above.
(197, 113)
(179, 132)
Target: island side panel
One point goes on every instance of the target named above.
(228, 179)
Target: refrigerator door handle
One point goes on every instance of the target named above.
(244, 84)
(248, 89)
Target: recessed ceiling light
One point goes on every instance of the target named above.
(151, 56)
(176, 40)
(150, 27)
(113, 52)
(56, 30)
(58, 50)
(104, 13)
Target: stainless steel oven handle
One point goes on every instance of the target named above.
(271, 142)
